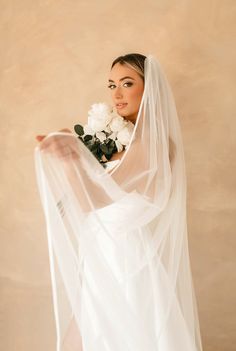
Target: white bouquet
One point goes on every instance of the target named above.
(106, 132)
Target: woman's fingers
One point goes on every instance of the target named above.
(40, 137)
(61, 146)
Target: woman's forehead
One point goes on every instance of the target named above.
(119, 71)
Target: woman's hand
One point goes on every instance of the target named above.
(59, 145)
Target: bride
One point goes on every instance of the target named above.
(117, 235)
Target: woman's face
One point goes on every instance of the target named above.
(126, 90)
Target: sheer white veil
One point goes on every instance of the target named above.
(123, 233)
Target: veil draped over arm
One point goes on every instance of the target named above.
(117, 241)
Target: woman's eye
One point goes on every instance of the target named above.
(129, 84)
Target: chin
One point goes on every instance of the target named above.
(124, 114)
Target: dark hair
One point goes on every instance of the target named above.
(135, 61)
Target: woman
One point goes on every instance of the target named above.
(118, 236)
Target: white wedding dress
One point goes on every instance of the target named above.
(117, 236)
(139, 314)
(109, 165)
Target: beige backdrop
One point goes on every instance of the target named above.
(55, 57)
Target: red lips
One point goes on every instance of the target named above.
(121, 105)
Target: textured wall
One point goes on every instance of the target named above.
(54, 62)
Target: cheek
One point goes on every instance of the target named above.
(136, 96)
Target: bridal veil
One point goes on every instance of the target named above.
(118, 244)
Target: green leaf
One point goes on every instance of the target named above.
(104, 148)
(99, 152)
(88, 137)
(79, 129)
(92, 147)
(89, 146)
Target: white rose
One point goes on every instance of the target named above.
(114, 112)
(124, 135)
(99, 116)
(113, 135)
(107, 129)
(101, 136)
(117, 123)
(119, 146)
(88, 130)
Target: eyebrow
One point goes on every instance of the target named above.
(110, 80)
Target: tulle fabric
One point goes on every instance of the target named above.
(117, 238)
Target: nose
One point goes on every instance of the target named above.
(118, 93)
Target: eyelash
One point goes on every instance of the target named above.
(111, 85)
